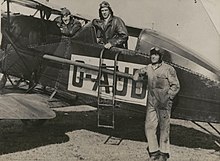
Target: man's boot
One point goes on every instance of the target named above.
(163, 156)
(154, 156)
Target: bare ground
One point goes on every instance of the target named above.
(73, 136)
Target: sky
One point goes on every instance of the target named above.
(213, 9)
(194, 24)
(90, 7)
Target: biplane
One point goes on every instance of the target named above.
(34, 50)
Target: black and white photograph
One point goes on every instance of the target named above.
(110, 80)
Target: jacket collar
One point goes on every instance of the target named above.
(109, 23)
(156, 66)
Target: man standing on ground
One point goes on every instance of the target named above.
(111, 30)
(163, 85)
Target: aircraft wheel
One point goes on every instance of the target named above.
(33, 122)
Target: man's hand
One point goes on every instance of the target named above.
(64, 29)
(108, 45)
(96, 23)
(99, 40)
(135, 76)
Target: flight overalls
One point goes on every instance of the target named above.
(163, 85)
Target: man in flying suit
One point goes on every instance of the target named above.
(163, 85)
(111, 30)
(68, 25)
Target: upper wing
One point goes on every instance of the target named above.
(39, 5)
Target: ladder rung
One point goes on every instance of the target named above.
(106, 98)
(105, 85)
(108, 66)
(105, 105)
(106, 126)
(117, 106)
(103, 99)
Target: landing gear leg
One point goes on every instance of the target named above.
(3, 81)
(32, 83)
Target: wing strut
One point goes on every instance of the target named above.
(215, 141)
(8, 15)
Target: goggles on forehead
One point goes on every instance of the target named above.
(104, 4)
(155, 48)
(65, 12)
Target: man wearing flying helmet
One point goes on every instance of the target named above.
(67, 23)
(163, 85)
(111, 30)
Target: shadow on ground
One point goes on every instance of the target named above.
(129, 124)
(14, 136)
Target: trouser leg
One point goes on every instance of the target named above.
(151, 124)
(164, 125)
